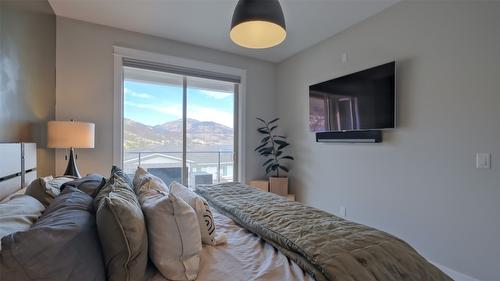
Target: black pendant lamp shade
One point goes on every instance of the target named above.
(258, 24)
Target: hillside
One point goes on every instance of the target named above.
(138, 136)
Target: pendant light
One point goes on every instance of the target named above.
(258, 24)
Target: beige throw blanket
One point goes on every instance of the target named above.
(327, 247)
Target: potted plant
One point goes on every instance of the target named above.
(272, 148)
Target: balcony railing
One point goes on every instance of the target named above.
(168, 165)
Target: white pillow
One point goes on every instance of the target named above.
(45, 189)
(18, 214)
(200, 205)
(173, 231)
(53, 185)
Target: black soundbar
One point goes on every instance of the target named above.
(371, 136)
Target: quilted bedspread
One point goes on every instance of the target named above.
(326, 246)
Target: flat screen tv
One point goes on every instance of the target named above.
(364, 100)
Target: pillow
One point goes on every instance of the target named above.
(47, 188)
(115, 170)
(18, 214)
(173, 231)
(88, 184)
(61, 245)
(200, 205)
(122, 230)
(141, 176)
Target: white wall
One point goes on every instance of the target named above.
(421, 183)
(85, 85)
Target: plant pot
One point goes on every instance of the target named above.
(278, 185)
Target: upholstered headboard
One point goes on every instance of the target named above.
(17, 167)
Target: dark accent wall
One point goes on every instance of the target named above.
(27, 75)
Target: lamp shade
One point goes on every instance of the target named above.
(70, 134)
(258, 24)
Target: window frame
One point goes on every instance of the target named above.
(118, 98)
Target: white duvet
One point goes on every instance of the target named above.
(245, 257)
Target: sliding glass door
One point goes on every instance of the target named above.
(209, 131)
(180, 127)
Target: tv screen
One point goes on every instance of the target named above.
(364, 100)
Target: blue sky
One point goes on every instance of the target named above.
(154, 104)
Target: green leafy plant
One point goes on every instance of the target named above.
(271, 147)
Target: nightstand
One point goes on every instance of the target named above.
(264, 186)
(260, 184)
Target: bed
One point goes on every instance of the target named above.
(267, 238)
(244, 257)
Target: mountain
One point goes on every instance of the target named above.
(138, 135)
(200, 134)
(194, 126)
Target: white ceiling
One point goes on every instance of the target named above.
(206, 22)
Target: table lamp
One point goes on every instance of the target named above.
(70, 135)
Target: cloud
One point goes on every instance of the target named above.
(131, 93)
(216, 95)
(196, 112)
(175, 110)
(210, 114)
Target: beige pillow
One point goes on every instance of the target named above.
(18, 214)
(200, 205)
(45, 189)
(122, 231)
(173, 231)
(141, 176)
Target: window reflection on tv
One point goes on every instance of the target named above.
(364, 100)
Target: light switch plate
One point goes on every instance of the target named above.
(344, 57)
(483, 160)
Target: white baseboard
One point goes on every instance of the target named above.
(455, 275)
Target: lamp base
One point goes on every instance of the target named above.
(72, 170)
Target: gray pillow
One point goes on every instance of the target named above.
(122, 231)
(61, 245)
(89, 184)
(116, 171)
